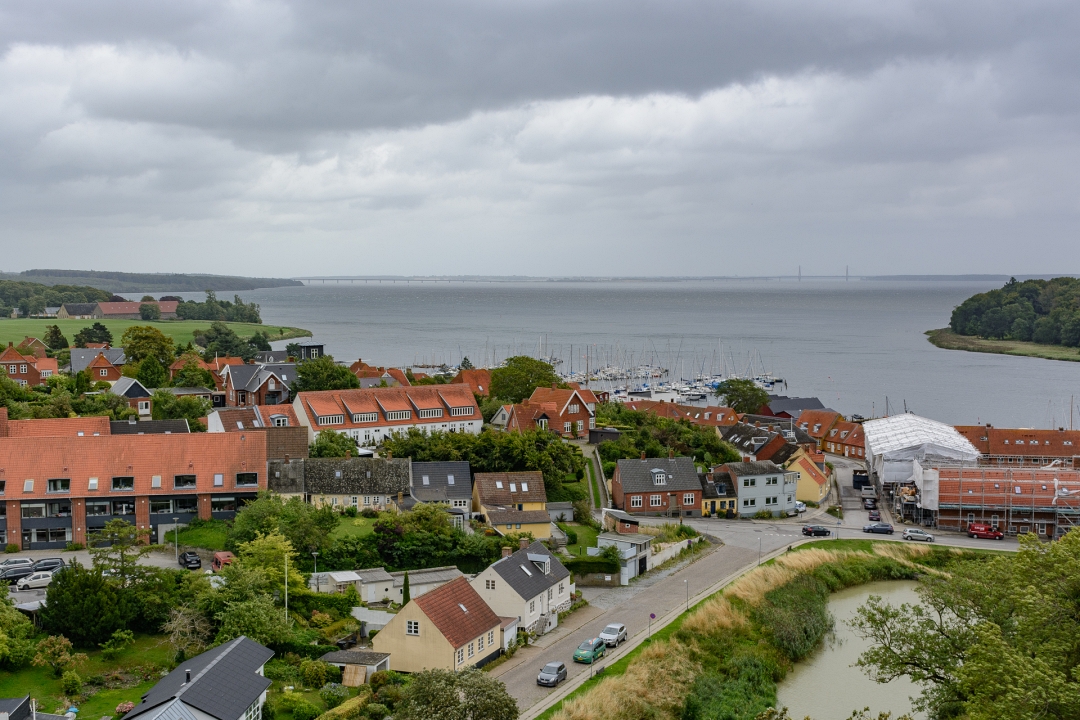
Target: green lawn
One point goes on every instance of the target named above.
(948, 340)
(210, 535)
(40, 683)
(353, 527)
(586, 537)
(181, 331)
(595, 486)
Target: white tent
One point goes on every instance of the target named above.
(893, 443)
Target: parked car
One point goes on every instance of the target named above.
(883, 528)
(16, 573)
(13, 562)
(875, 516)
(221, 559)
(590, 651)
(613, 634)
(552, 674)
(800, 506)
(35, 580)
(869, 504)
(190, 560)
(917, 534)
(816, 530)
(48, 564)
(982, 530)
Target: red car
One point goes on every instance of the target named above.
(875, 515)
(987, 532)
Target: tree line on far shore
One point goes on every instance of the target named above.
(1041, 311)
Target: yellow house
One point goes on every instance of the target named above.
(813, 483)
(449, 628)
(513, 502)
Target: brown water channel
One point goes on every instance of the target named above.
(826, 686)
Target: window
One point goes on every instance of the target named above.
(329, 419)
(412, 627)
(219, 480)
(123, 483)
(399, 415)
(575, 408)
(688, 499)
(97, 507)
(160, 506)
(458, 411)
(367, 499)
(186, 505)
(187, 481)
(560, 588)
(491, 637)
(60, 485)
(659, 478)
(355, 501)
(770, 500)
(425, 480)
(430, 413)
(450, 480)
(656, 500)
(242, 399)
(279, 420)
(222, 504)
(580, 425)
(524, 487)
(749, 482)
(550, 593)
(751, 502)
(3, 486)
(592, 423)
(471, 651)
(532, 606)
(246, 479)
(635, 501)
(566, 426)
(771, 480)
(271, 385)
(461, 656)
(489, 584)
(542, 423)
(12, 369)
(33, 510)
(123, 507)
(498, 484)
(28, 486)
(103, 372)
(513, 487)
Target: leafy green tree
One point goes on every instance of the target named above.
(119, 641)
(306, 527)
(446, 695)
(143, 341)
(520, 375)
(118, 547)
(16, 631)
(222, 341)
(331, 444)
(85, 606)
(151, 373)
(268, 553)
(742, 395)
(649, 433)
(323, 373)
(260, 341)
(466, 364)
(96, 333)
(192, 374)
(54, 339)
(167, 406)
(257, 618)
(54, 652)
(150, 311)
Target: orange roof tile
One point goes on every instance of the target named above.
(394, 399)
(99, 361)
(817, 423)
(478, 380)
(132, 308)
(58, 427)
(458, 612)
(323, 406)
(267, 412)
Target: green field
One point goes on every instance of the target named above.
(40, 683)
(948, 340)
(210, 535)
(353, 527)
(181, 331)
(586, 538)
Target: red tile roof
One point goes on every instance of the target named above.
(458, 612)
(806, 465)
(817, 423)
(712, 416)
(267, 412)
(132, 308)
(494, 489)
(58, 427)
(390, 399)
(999, 487)
(10, 354)
(99, 361)
(478, 379)
(399, 375)
(1022, 442)
(33, 346)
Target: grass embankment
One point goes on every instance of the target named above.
(138, 668)
(726, 655)
(208, 534)
(948, 340)
(586, 538)
(181, 331)
(593, 484)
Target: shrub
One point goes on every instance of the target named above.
(124, 708)
(115, 645)
(333, 694)
(609, 469)
(571, 537)
(283, 671)
(73, 546)
(376, 711)
(763, 514)
(349, 511)
(390, 695)
(384, 678)
(305, 711)
(11, 548)
(316, 673)
(369, 513)
(320, 619)
(71, 683)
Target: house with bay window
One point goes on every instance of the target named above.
(657, 486)
(762, 486)
(370, 415)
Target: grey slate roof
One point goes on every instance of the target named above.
(530, 584)
(370, 575)
(148, 427)
(750, 438)
(285, 477)
(224, 683)
(438, 487)
(637, 475)
(79, 308)
(354, 657)
(426, 576)
(720, 487)
(782, 425)
(16, 708)
(129, 388)
(746, 469)
(271, 356)
(179, 391)
(251, 377)
(81, 357)
(511, 517)
(793, 405)
(356, 476)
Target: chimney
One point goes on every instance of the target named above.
(286, 458)
(507, 552)
(554, 386)
(188, 674)
(390, 455)
(523, 543)
(757, 423)
(670, 454)
(642, 454)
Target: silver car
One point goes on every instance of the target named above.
(916, 534)
(613, 634)
(36, 580)
(15, 562)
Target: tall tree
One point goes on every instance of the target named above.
(405, 595)
(85, 606)
(150, 311)
(96, 333)
(466, 695)
(151, 373)
(167, 406)
(742, 395)
(143, 341)
(323, 374)
(118, 547)
(330, 444)
(520, 375)
(55, 339)
(192, 374)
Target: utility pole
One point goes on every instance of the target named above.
(176, 539)
(287, 587)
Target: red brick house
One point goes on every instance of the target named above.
(27, 369)
(1024, 447)
(479, 379)
(101, 369)
(847, 439)
(33, 346)
(568, 412)
(818, 423)
(657, 486)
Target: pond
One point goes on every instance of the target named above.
(827, 686)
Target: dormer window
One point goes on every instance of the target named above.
(817, 427)
(449, 479)
(659, 477)
(426, 480)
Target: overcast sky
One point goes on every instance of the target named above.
(540, 137)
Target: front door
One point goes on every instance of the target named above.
(26, 536)
(642, 565)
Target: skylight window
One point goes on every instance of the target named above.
(498, 484)
(526, 570)
(449, 479)
(426, 480)
(463, 608)
(513, 487)
(524, 487)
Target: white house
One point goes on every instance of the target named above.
(530, 584)
(763, 485)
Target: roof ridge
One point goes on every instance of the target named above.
(229, 647)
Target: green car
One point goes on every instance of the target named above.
(590, 651)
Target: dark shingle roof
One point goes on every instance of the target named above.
(721, 486)
(354, 657)
(741, 469)
(438, 487)
(510, 517)
(494, 488)
(637, 475)
(356, 476)
(224, 681)
(148, 427)
(530, 584)
(285, 477)
(80, 308)
(16, 708)
(793, 405)
(81, 357)
(458, 611)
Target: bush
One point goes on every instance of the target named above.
(71, 683)
(320, 619)
(73, 546)
(333, 694)
(11, 548)
(598, 564)
(390, 695)
(115, 645)
(763, 514)
(383, 678)
(316, 673)
(349, 511)
(609, 469)
(376, 711)
(124, 708)
(283, 671)
(571, 537)
(305, 711)
(369, 513)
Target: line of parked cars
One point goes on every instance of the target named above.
(587, 652)
(29, 574)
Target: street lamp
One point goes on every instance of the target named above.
(176, 539)
(318, 585)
